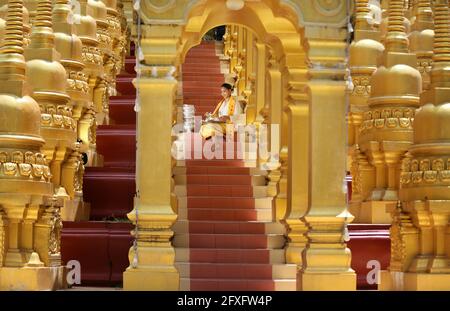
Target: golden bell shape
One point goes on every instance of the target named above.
(365, 53)
(400, 81)
(21, 116)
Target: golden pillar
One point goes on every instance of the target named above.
(152, 258)
(297, 183)
(424, 181)
(364, 54)
(386, 131)
(25, 185)
(260, 79)
(326, 256)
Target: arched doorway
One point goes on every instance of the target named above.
(308, 42)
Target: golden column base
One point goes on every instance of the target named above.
(32, 278)
(345, 281)
(158, 279)
(374, 212)
(396, 281)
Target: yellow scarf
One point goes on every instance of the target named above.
(231, 105)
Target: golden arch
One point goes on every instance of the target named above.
(308, 41)
(273, 25)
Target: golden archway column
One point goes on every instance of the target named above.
(364, 54)
(297, 175)
(152, 260)
(260, 79)
(421, 261)
(326, 256)
(386, 132)
(271, 114)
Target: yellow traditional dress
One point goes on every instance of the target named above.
(224, 108)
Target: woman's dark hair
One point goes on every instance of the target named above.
(227, 86)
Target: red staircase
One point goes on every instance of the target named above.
(101, 244)
(225, 237)
(202, 78)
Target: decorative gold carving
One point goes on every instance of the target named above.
(34, 167)
(404, 236)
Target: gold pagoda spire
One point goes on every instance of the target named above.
(12, 61)
(42, 33)
(13, 42)
(396, 39)
(363, 17)
(440, 72)
(424, 183)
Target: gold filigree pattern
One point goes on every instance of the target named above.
(77, 81)
(425, 171)
(391, 118)
(361, 85)
(28, 165)
(92, 55)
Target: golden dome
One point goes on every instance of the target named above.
(428, 114)
(399, 80)
(421, 40)
(86, 27)
(19, 116)
(69, 46)
(365, 53)
(97, 10)
(46, 76)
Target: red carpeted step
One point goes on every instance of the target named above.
(244, 241)
(130, 64)
(110, 191)
(117, 144)
(121, 109)
(213, 255)
(226, 227)
(219, 179)
(124, 85)
(100, 247)
(249, 203)
(228, 214)
(217, 170)
(230, 270)
(220, 190)
(232, 163)
(231, 285)
(368, 242)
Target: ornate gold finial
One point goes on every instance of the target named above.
(42, 33)
(440, 72)
(12, 61)
(424, 14)
(13, 42)
(363, 19)
(396, 40)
